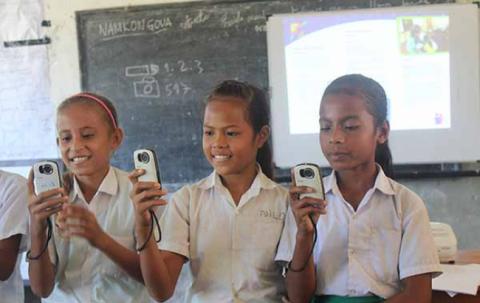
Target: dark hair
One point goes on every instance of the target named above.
(376, 100)
(89, 98)
(258, 114)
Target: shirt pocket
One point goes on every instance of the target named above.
(385, 252)
(258, 239)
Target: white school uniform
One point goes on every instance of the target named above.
(13, 221)
(368, 251)
(230, 248)
(83, 273)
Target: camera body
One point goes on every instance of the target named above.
(46, 176)
(308, 174)
(147, 160)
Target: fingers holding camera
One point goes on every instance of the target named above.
(296, 191)
(40, 209)
(43, 205)
(143, 190)
(311, 206)
(145, 196)
(134, 174)
(149, 198)
(306, 208)
(143, 186)
(308, 194)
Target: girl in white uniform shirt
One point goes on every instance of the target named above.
(91, 256)
(374, 240)
(13, 235)
(227, 225)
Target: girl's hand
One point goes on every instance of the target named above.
(61, 223)
(145, 196)
(75, 220)
(42, 206)
(305, 208)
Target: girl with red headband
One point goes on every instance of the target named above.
(91, 255)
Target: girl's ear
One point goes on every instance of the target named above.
(383, 131)
(263, 135)
(117, 138)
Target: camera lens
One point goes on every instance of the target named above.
(40, 169)
(307, 173)
(144, 157)
(47, 168)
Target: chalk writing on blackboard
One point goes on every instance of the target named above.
(145, 85)
(118, 29)
(184, 66)
(190, 21)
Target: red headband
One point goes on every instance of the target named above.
(101, 103)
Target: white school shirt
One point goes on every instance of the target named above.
(370, 250)
(13, 221)
(230, 248)
(83, 273)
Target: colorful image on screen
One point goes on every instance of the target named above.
(408, 55)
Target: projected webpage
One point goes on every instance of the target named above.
(407, 55)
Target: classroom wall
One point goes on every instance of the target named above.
(455, 201)
(63, 51)
(452, 200)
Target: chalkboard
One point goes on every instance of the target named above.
(157, 63)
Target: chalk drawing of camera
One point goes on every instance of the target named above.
(147, 86)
